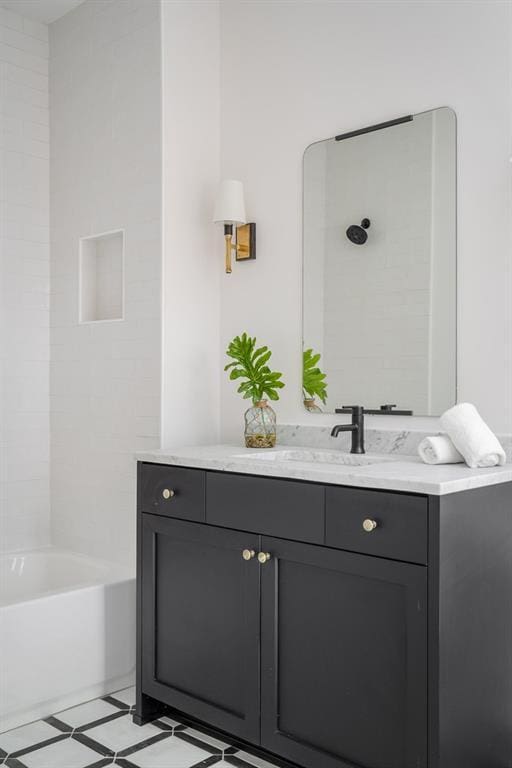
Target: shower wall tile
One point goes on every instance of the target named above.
(19, 58)
(105, 176)
(24, 42)
(35, 29)
(10, 20)
(24, 283)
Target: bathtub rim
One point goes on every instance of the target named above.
(115, 573)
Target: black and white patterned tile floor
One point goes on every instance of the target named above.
(101, 734)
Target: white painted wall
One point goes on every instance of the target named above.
(24, 283)
(105, 176)
(296, 72)
(192, 260)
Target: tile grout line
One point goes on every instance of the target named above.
(22, 50)
(6, 79)
(24, 32)
(25, 69)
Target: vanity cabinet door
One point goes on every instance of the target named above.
(344, 658)
(200, 622)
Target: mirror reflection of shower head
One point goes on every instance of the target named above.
(358, 234)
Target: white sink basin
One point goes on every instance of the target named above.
(317, 456)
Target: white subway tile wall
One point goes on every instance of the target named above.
(24, 283)
(105, 176)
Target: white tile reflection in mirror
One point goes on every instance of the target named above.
(381, 309)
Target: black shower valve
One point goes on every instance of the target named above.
(358, 234)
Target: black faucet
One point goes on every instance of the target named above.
(357, 428)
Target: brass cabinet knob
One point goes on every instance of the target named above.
(167, 493)
(248, 554)
(264, 557)
(369, 525)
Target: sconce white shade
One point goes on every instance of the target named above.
(230, 205)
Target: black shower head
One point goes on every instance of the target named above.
(358, 234)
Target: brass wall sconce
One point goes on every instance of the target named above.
(230, 211)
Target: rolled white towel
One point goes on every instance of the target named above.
(439, 449)
(472, 437)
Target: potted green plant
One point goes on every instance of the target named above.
(249, 363)
(313, 381)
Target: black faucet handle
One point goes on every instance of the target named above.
(388, 407)
(353, 407)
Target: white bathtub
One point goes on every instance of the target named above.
(67, 632)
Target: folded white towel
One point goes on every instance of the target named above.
(439, 449)
(472, 437)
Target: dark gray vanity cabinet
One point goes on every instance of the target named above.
(343, 658)
(200, 622)
(267, 611)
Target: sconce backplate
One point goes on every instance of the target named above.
(246, 242)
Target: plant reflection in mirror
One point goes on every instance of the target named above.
(313, 381)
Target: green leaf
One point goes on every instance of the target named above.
(260, 363)
(250, 363)
(313, 379)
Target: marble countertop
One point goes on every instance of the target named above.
(398, 472)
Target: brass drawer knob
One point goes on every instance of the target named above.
(264, 557)
(369, 525)
(167, 493)
(248, 554)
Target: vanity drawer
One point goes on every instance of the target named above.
(172, 491)
(401, 523)
(282, 508)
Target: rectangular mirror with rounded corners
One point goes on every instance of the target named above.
(379, 267)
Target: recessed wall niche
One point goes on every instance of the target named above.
(101, 277)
